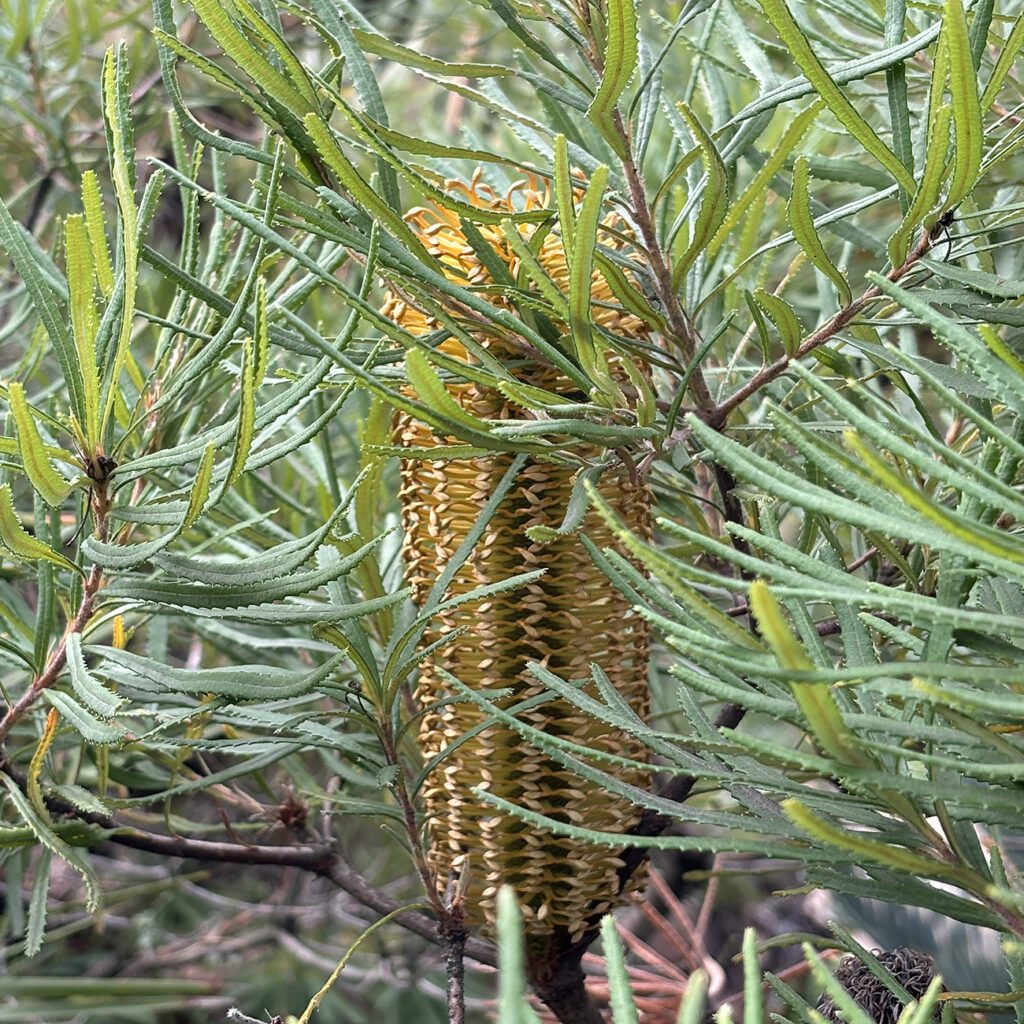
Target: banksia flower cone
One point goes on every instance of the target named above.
(566, 620)
(913, 969)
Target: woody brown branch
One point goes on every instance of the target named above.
(318, 858)
(718, 415)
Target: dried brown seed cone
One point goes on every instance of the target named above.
(566, 620)
(913, 969)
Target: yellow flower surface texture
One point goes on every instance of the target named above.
(566, 620)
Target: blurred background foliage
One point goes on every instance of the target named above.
(188, 941)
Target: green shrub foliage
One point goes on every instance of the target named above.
(201, 590)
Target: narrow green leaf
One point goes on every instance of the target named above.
(620, 58)
(83, 319)
(37, 906)
(508, 14)
(92, 204)
(87, 687)
(995, 285)
(564, 193)
(801, 223)
(248, 57)
(14, 536)
(815, 700)
(963, 84)
(246, 405)
(295, 73)
(342, 28)
(200, 491)
(435, 395)
(992, 541)
(350, 179)
(117, 117)
(381, 46)
(757, 316)
(714, 202)
(668, 571)
(850, 1010)
(581, 268)
(762, 179)
(201, 597)
(895, 857)
(896, 87)
(531, 266)
(800, 50)
(693, 1008)
(273, 562)
(84, 722)
(46, 303)
(782, 314)
(1007, 58)
(248, 682)
(53, 842)
(753, 1000)
(513, 1004)
(621, 995)
(927, 194)
(575, 510)
(44, 478)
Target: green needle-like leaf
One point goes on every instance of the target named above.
(810, 64)
(620, 58)
(44, 478)
(801, 223)
(19, 542)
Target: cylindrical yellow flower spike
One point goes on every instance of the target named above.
(566, 620)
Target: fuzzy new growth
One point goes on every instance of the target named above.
(566, 620)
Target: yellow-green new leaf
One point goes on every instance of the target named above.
(963, 86)
(435, 395)
(564, 195)
(218, 23)
(815, 700)
(895, 857)
(200, 486)
(927, 194)
(619, 64)
(44, 478)
(1007, 58)
(991, 541)
(22, 544)
(581, 267)
(92, 204)
(296, 73)
(800, 50)
(801, 223)
(116, 114)
(83, 319)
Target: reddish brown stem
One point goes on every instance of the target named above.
(717, 416)
(58, 657)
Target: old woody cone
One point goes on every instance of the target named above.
(566, 620)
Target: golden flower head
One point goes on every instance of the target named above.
(440, 231)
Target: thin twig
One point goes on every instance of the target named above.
(319, 858)
(717, 416)
(58, 657)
